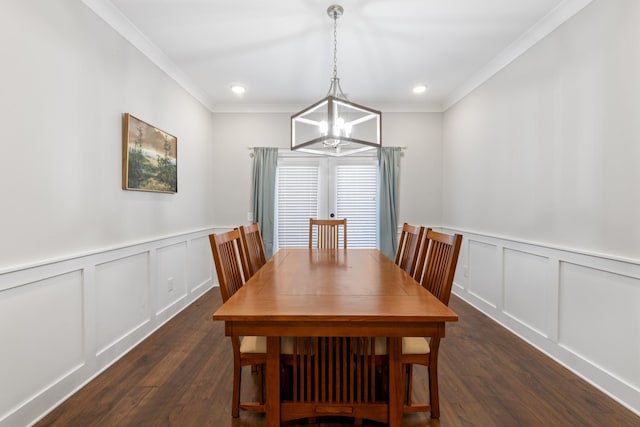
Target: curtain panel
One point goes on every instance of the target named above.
(388, 177)
(265, 162)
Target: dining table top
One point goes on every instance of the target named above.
(333, 285)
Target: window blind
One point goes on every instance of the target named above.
(356, 194)
(296, 202)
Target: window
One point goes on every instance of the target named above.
(296, 201)
(356, 200)
(318, 187)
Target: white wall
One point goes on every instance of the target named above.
(548, 149)
(66, 80)
(233, 135)
(420, 175)
(541, 173)
(84, 265)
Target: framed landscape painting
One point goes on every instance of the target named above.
(149, 157)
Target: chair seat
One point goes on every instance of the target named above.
(415, 345)
(259, 345)
(410, 345)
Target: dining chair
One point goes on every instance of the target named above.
(253, 247)
(327, 232)
(232, 271)
(409, 247)
(439, 260)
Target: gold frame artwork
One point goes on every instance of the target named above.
(149, 157)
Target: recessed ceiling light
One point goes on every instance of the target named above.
(420, 89)
(238, 90)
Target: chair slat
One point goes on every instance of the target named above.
(327, 232)
(253, 247)
(409, 247)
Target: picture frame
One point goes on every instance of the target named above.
(149, 157)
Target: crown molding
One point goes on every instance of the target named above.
(559, 15)
(105, 10)
(293, 108)
(122, 25)
(258, 108)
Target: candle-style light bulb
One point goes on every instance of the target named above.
(323, 127)
(347, 129)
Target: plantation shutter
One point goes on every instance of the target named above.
(356, 190)
(296, 202)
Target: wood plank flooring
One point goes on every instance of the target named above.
(182, 374)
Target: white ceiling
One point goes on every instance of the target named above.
(282, 50)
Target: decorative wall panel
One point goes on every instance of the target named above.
(581, 309)
(600, 319)
(200, 263)
(171, 275)
(41, 336)
(122, 293)
(527, 288)
(484, 277)
(82, 313)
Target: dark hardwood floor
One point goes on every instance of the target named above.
(181, 376)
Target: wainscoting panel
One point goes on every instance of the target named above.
(122, 293)
(526, 289)
(599, 315)
(581, 309)
(200, 263)
(484, 277)
(171, 270)
(64, 321)
(41, 336)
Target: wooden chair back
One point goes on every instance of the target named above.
(230, 262)
(327, 231)
(233, 272)
(331, 375)
(409, 247)
(441, 258)
(253, 247)
(435, 271)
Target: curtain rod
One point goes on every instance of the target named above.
(402, 147)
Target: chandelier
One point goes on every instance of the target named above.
(335, 126)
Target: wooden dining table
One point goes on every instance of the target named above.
(303, 292)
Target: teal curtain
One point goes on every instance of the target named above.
(388, 176)
(265, 162)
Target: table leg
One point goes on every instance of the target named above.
(273, 382)
(394, 346)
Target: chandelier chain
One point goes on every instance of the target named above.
(335, 45)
